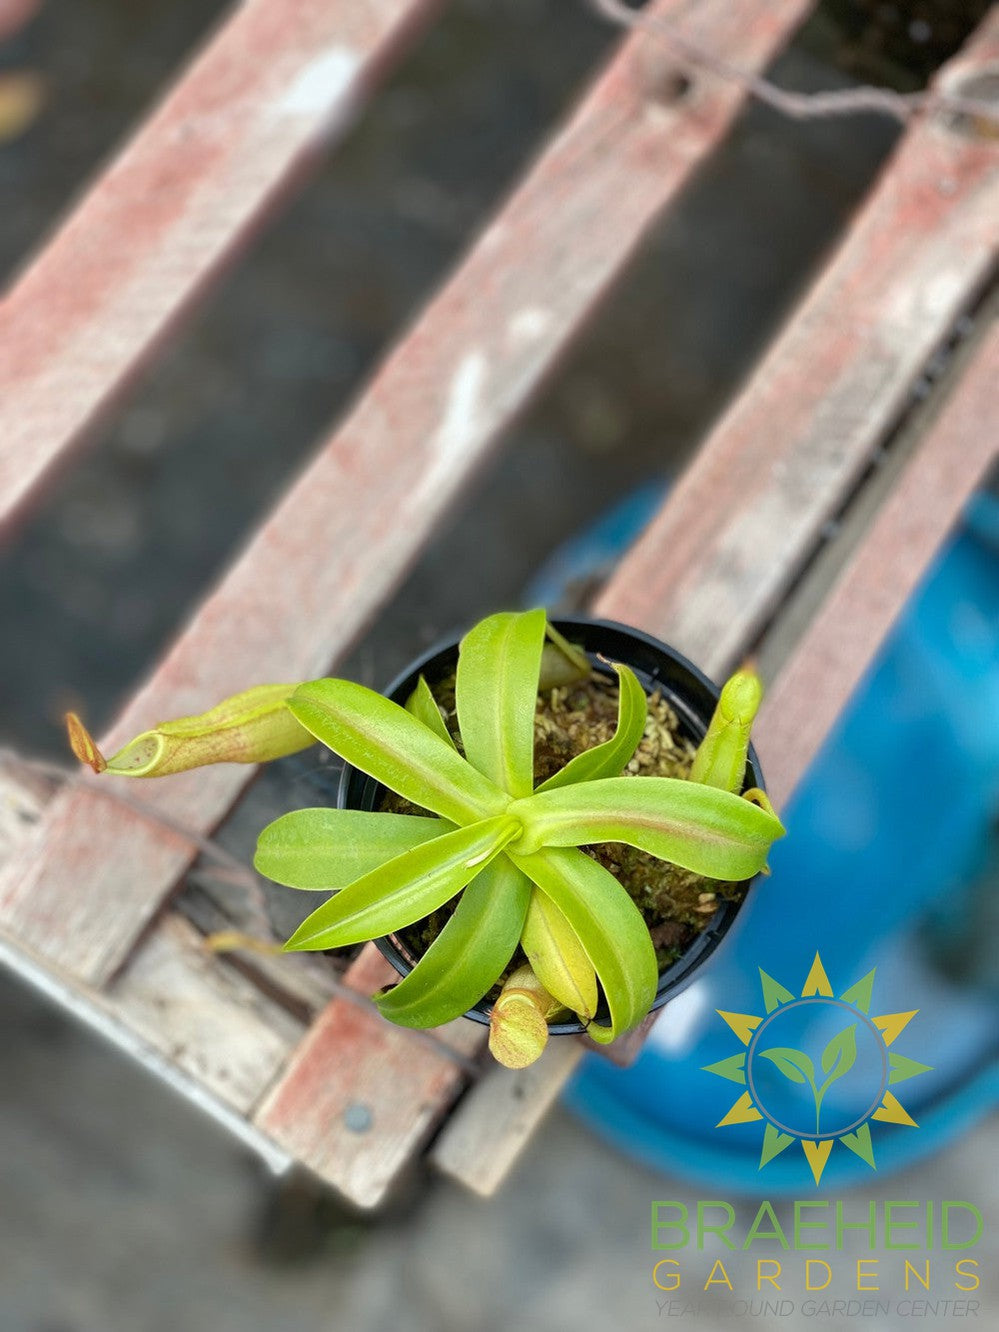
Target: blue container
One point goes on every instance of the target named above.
(888, 863)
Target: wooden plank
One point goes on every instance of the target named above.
(23, 797)
(743, 519)
(279, 82)
(339, 542)
(201, 1069)
(359, 1128)
(14, 14)
(495, 1121)
(361, 1096)
(188, 1017)
(871, 590)
(815, 686)
(203, 1015)
(210, 1033)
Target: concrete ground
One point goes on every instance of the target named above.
(122, 1209)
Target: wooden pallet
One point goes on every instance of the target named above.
(85, 883)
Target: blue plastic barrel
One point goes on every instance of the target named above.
(891, 862)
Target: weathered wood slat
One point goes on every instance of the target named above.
(23, 797)
(483, 1139)
(361, 1095)
(280, 80)
(186, 1016)
(338, 543)
(815, 686)
(14, 14)
(210, 1021)
(745, 516)
(204, 1071)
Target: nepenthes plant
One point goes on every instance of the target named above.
(531, 917)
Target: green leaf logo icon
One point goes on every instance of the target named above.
(838, 1058)
(840, 1054)
(794, 1064)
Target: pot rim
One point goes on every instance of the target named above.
(679, 974)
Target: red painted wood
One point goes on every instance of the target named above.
(748, 512)
(360, 1096)
(14, 14)
(279, 82)
(339, 542)
(815, 686)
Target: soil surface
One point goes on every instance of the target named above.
(676, 904)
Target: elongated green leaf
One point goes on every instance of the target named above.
(385, 741)
(496, 691)
(423, 706)
(328, 848)
(609, 759)
(405, 889)
(560, 961)
(609, 926)
(703, 829)
(468, 956)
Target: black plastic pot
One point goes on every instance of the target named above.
(689, 692)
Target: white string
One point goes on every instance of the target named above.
(797, 105)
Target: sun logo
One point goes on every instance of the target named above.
(817, 1068)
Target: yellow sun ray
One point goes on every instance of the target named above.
(892, 1111)
(743, 1112)
(817, 1154)
(817, 982)
(891, 1025)
(743, 1024)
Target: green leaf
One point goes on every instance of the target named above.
(721, 756)
(559, 960)
(469, 955)
(609, 926)
(609, 759)
(840, 1054)
(404, 889)
(320, 849)
(423, 706)
(495, 694)
(385, 741)
(562, 663)
(794, 1064)
(700, 828)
